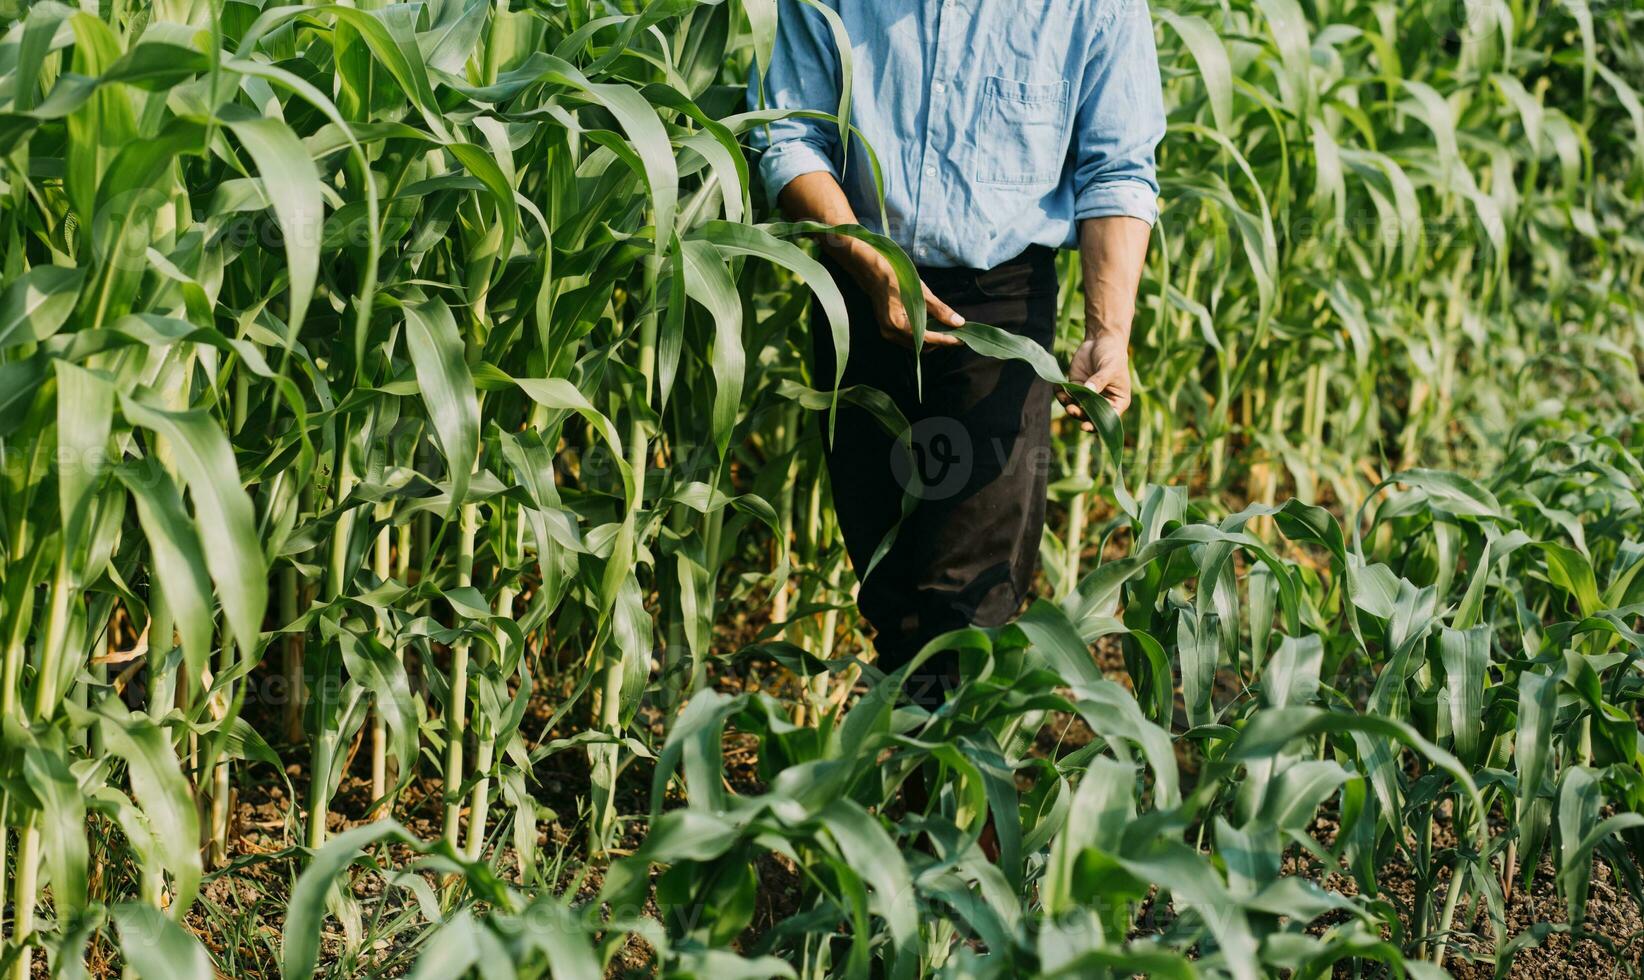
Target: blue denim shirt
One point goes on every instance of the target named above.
(997, 124)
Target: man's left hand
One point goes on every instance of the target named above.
(1102, 364)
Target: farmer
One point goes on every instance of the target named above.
(1002, 132)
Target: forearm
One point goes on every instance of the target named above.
(1112, 251)
(818, 197)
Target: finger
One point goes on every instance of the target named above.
(942, 312)
(1070, 404)
(936, 338)
(1103, 386)
(1113, 391)
(902, 336)
(933, 338)
(1071, 401)
(1096, 386)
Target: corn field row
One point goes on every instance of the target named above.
(403, 402)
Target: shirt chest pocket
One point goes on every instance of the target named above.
(1021, 135)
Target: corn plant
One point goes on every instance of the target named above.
(1385, 227)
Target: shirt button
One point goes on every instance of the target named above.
(941, 87)
(930, 171)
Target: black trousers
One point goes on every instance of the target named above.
(980, 447)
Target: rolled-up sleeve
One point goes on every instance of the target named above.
(804, 75)
(1120, 120)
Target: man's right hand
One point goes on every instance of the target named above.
(873, 272)
(818, 197)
